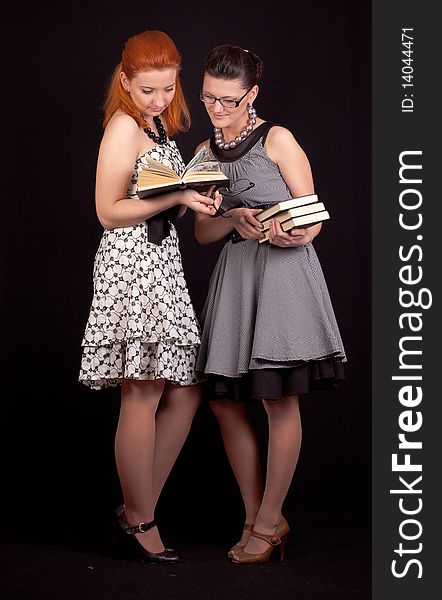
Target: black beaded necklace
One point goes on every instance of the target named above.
(161, 138)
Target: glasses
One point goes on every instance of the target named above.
(226, 102)
(238, 187)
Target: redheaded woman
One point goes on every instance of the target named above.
(142, 332)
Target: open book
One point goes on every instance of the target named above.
(199, 174)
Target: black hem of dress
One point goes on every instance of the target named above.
(274, 384)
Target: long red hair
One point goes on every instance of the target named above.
(148, 51)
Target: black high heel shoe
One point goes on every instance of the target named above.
(132, 548)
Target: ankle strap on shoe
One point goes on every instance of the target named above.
(273, 540)
(140, 528)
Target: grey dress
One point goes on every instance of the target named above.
(269, 329)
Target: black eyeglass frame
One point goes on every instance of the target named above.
(225, 191)
(231, 194)
(220, 100)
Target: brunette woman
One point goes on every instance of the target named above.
(270, 333)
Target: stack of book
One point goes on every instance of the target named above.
(295, 212)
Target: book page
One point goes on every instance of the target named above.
(286, 204)
(294, 212)
(201, 167)
(208, 170)
(303, 221)
(199, 157)
(155, 172)
(309, 219)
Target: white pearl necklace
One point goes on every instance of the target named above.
(219, 137)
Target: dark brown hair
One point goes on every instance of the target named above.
(233, 62)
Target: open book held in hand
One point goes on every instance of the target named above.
(199, 174)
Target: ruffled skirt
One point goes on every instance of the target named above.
(142, 324)
(269, 325)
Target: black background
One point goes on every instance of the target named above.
(57, 434)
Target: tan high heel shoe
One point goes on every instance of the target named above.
(237, 547)
(279, 538)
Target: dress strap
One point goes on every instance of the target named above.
(266, 132)
(242, 148)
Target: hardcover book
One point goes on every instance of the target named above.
(285, 205)
(301, 221)
(294, 212)
(199, 174)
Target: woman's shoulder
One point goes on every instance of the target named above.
(278, 133)
(122, 122)
(121, 130)
(282, 146)
(281, 140)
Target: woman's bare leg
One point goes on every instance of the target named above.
(134, 454)
(242, 450)
(285, 434)
(173, 421)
